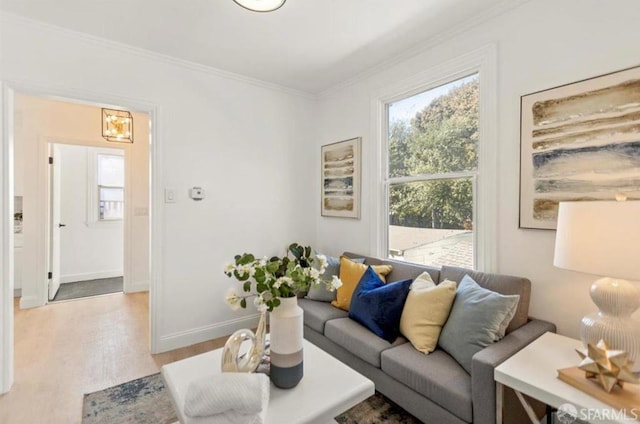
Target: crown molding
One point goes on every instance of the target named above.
(8, 18)
(425, 45)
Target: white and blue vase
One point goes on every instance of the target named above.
(286, 328)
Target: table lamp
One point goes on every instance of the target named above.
(603, 238)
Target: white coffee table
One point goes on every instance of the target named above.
(327, 389)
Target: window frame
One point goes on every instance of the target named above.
(482, 61)
(93, 187)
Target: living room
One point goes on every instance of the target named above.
(254, 143)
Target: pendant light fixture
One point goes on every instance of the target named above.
(261, 5)
(117, 125)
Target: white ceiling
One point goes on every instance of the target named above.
(310, 45)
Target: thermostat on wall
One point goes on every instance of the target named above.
(196, 193)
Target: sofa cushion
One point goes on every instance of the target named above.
(316, 314)
(319, 291)
(358, 340)
(436, 376)
(350, 274)
(378, 306)
(425, 312)
(503, 284)
(478, 318)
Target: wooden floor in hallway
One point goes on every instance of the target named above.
(64, 350)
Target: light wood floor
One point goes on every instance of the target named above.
(64, 350)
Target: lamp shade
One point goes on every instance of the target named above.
(601, 238)
(261, 5)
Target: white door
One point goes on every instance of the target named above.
(55, 225)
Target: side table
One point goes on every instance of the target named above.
(533, 372)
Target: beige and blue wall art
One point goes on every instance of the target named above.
(579, 142)
(340, 178)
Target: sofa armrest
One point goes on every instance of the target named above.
(483, 363)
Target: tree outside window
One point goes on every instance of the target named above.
(433, 166)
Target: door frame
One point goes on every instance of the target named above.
(7, 94)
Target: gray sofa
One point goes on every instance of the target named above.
(434, 388)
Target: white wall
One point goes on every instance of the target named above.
(87, 250)
(542, 44)
(247, 144)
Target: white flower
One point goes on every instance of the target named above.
(233, 300)
(258, 301)
(287, 281)
(262, 262)
(246, 270)
(322, 259)
(335, 283)
(228, 268)
(314, 273)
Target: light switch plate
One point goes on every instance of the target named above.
(169, 195)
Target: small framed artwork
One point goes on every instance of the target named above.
(580, 141)
(341, 174)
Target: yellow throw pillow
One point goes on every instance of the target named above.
(425, 312)
(350, 274)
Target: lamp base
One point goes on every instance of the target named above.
(617, 301)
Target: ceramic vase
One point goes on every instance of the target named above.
(286, 324)
(232, 361)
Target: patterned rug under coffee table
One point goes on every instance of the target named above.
(145, 401)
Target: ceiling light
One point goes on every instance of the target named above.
(117, 125)
(261, 5)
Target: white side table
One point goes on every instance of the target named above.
(533, 372)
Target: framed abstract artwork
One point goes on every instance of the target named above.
(341, 174)
(579, 142)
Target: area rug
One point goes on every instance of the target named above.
(377, 410)
(89, 288)
(146, 401)
(140, 401)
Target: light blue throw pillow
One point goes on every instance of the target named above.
(319, 292)
(478, 318)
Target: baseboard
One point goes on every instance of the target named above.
(202, 334)
(72, 278)
(17, 293)
(138, 286)
(27, 302)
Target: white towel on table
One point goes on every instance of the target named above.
(227, 398)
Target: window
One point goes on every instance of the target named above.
(432, 140)
(110, 187)
(105, 187)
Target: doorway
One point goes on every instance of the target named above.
(86, 228)
(43, 127)
(10, 187)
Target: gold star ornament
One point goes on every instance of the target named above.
(607, 366)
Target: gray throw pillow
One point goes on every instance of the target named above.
(478, 318)
(319, 292)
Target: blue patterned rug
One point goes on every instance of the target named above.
(140, 401)
(145, 401)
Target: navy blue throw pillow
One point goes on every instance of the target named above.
(378, 306)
